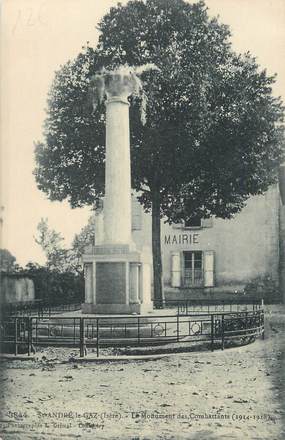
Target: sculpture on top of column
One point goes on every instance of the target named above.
(122, 81)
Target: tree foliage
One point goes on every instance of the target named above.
(54, 286)
(52, 244)
(213, 134)
(7, 261)
(82, 240)
(58, 256)
(61, 279)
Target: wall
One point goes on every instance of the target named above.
(16, 289)
(244, 247)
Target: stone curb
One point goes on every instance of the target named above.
(121, 358)
(17, 357)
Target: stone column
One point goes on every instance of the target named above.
(118, 286)
(88, 275)
(135, 283)
(117, 202)
(99, 223)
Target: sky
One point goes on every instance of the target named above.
(39, 36)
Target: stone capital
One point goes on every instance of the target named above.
(122, 99)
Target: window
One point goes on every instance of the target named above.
(193, 269)
(195, 222)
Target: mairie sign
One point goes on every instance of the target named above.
(181, 239)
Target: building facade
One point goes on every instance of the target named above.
(220, 255)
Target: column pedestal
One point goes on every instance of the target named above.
(117, 280)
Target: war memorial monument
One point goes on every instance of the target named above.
(117, 275)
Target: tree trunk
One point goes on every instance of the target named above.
(156, 252)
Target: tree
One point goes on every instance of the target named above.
(57, 255)
(213, 132)
(51, 243)
(85, 237)
(53, 286)
(61, 279)
(7, 261)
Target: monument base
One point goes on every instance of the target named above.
(117, 309)
(117, 280)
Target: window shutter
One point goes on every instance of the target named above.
(136, 214)
(207, 222)
(175, 269)
(208, 268)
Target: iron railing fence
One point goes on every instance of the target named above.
(24, 333)
(184, 307)
(211, 305)
(38, 307)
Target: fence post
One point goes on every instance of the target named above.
(97, 341)
(37, 319)
(74, 330)
(212, 332)
(177, 327)
(223, 332)
(30, 329)
(262, 318)
(138, 330)
(81, 336)
(16, 336)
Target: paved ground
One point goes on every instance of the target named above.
(235, 394)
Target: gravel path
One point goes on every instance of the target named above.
(235, 394)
